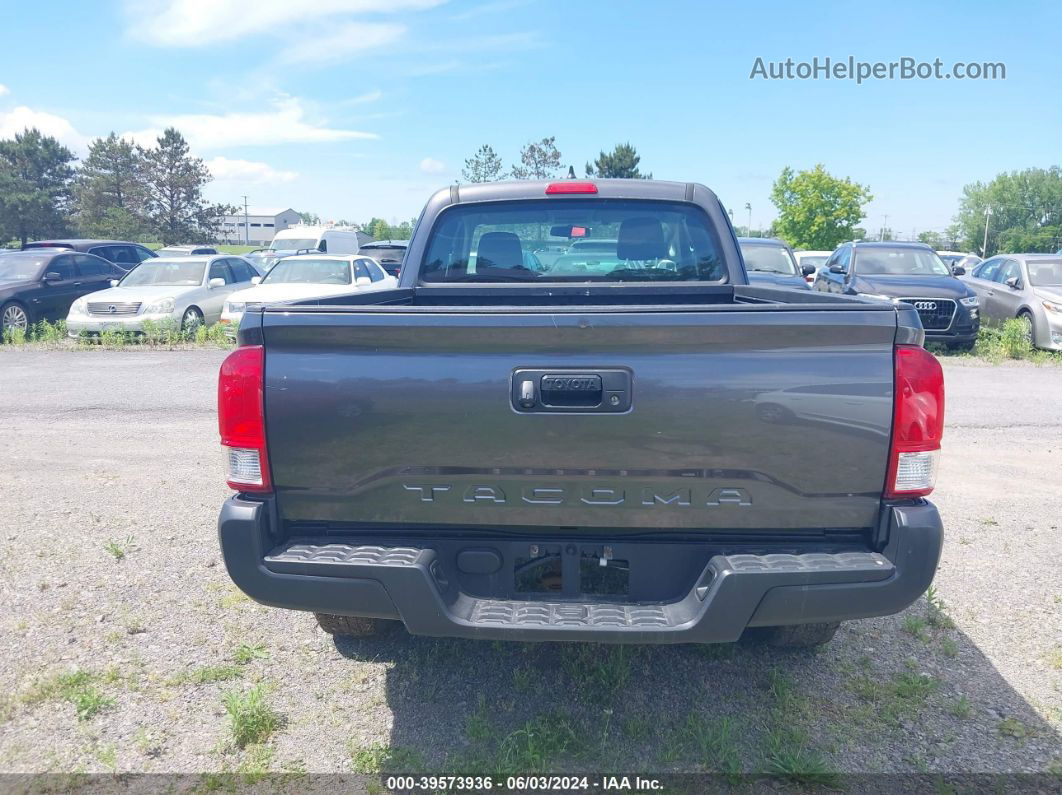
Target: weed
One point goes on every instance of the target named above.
(477, 727)
(938, 610)
(916, 627)
(148, 743)
(790, 756)
(534, 747)
(599, 670)
(1012, 727)
(78, 688)
(961, 707)
(247, 652)
(381, 759)
(713, 743)
(119, 549)
(1054, 658)
(523, 679)
(948, 647)
(253, 720)
(107, 756)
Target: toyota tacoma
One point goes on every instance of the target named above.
(623, 442)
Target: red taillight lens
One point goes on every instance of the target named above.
(918, 423)
(570, 187)
(241, 419)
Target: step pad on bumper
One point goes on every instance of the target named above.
(561, 614)
(298, 556)
(810, 562)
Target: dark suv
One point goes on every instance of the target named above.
(122, 253)
(911, 273)
(389, 253)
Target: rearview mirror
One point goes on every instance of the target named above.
(362, 281)
(807, 270)
(1013, 283)
(256, 279)
(569, 231)
(52, 276)
(958, 270)
(217, 282)
(114, 282)
(838, 268)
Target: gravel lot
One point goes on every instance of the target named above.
(118, 607)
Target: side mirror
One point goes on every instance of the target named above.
(807, 270)
(216, 283)
(256, 279)
(838, 268)
(362, 281)
(1013, 283)
(958, 270)
(114, 282)
(52, 276)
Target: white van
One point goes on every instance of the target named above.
(306, 239)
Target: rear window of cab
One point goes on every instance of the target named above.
(574, 240)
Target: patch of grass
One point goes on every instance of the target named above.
(948, 647)
(148, 743)
(712, 743)
(790, 755)
(961, 707)
(636, 727)
(234, 598)
(247, 652)
(598, 671)
(1054, 658)
(915, 626)
(153, 334)
(207, 674)
(538, 744)
(107, 755)
(938, 610)
(252, 719)
(385, 759)
(523, 679)
(119, 548)
(477, 726)
(78, 688)
(1012, 727)
(904, 693)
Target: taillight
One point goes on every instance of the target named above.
(918, 423)
(570, 187)
(241, 419)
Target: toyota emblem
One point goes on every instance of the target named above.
(925, 306)
(112, 309)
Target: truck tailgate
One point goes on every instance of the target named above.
(739, 418)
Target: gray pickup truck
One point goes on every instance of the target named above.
(575, 420)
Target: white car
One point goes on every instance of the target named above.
(308, 276)
(814, 258)
(188, 291)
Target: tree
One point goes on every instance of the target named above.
(932, 239)
(35, 186)
(110, 191)
(620, 163)
(815, 209)
(312, 219)
(483, 166)
(1026, 212)
(541, 160)
(380, 229)
(175, 202)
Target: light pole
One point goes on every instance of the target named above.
(748, 206)
(246, 224)
(885, 224)
(984, 245)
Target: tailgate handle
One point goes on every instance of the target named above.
(544, 391)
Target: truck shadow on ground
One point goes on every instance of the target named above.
(907, 693)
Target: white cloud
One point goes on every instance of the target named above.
(196, 23)
(4, 90)
(347, 41)
(285, 124)
(20, 118)
(430, 165)
(247, 171)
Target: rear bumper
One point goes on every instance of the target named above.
(733, 592)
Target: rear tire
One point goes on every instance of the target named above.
(348, 626)
(795, 636)
(191, 320)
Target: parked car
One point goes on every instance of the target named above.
(388, 253)
(304, 239)
(1025, 286)
(816, 259)
(185, 251)
(493, 453)
(959, 263)
(188, 291)
(908, 272)
(122, 253)
(308, 276)
(772, 262)
(41, 283)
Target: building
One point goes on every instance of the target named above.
(262, 224)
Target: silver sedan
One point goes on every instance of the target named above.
(1025, 286)
(184, 291)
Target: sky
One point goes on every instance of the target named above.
(360, 108)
